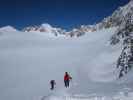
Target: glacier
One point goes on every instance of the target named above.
(28, 61)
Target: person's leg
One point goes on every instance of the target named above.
(68, 83)
(52, 86)
(65, 83)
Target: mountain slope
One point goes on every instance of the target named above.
(29, 61)
(118, 17)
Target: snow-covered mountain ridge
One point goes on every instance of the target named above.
(115, 20)
(123, 18)
(7, 29)
(118, 17)
(45, 28)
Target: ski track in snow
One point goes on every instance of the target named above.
(64, 95)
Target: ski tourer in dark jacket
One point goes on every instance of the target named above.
(52, 83)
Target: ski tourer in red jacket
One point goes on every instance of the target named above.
(67, 78)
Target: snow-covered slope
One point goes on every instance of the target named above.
(29, 61)
(118, 17)
(124, 34)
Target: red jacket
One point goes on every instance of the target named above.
(67, 77)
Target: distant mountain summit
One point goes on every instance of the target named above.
(45, 28)
(7, 29)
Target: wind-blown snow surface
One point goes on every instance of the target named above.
(28, 61)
